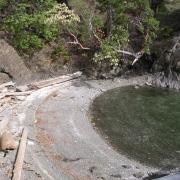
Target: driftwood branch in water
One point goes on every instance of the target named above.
(76, 42)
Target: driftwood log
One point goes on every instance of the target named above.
(20, 156)
(57, 80)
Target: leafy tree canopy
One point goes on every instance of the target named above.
(104, 25)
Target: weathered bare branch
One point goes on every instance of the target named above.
(175, 46)
(76, 42)
(126, 52)
(136, 55)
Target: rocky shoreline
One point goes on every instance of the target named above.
(69, 135)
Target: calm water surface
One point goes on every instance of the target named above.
(143, 123)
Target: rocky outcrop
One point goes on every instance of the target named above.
(169, 77)
(11, 65)
(4, 78)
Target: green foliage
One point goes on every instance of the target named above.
(3, 3)
(165, 32)
(97, 22)
(85, 12)
(27, 42)
(27, 29)
(33, 23)
(61, 53)
(107, 55)
(110, 46)
(60, 13)
(123, 14)
(150, 26)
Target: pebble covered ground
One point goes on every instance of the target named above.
(62, 143)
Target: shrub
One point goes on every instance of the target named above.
(3, 3)
(61, 53)
(123, 14)
(32, 23)
(165, 32)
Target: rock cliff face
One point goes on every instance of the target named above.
(169, 65)
(12, 66)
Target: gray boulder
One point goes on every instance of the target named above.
(12, 64)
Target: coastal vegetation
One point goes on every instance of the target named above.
(108, 35)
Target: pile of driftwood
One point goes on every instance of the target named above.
(9, 94)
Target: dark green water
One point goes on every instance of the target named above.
(143, 123)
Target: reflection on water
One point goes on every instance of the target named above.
(142, 123)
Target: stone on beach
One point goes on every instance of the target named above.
(7, 142)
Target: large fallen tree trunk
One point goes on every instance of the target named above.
(57, 80)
